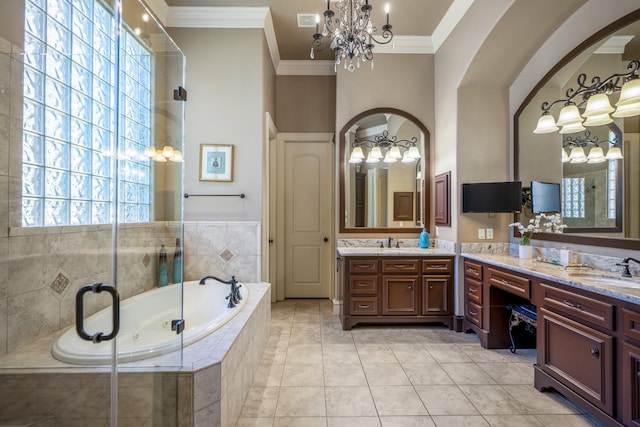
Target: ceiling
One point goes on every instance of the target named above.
(413, 21)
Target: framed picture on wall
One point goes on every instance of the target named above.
(216, 162)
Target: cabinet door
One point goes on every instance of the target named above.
(442, 206)
(630, 385)
(577, 356)
(400, 295)
(435, 294)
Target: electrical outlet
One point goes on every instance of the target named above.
(480, 233)
(489, 233)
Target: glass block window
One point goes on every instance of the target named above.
(69, 117)
(611, 189)
(573, 198)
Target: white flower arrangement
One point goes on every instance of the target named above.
(552, 225)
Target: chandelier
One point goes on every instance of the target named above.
(598, 108)
(576, 147)
(349, 33)
(381, 142)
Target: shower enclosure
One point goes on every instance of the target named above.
(91, 136)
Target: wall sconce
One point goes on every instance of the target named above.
(598, 110)
(596, 154)
(391, 144)
(161, 156)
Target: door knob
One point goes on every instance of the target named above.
(326, 239)
(595, 352)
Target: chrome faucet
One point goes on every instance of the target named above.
(625, 264)
(234, 297)
(389, 242)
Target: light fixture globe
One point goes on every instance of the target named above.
(630, 92)
(614, 153)
(598, 105)
(389, 158)
(414, 152)
(394, 152)
(569, 115)
(572, 128)
(627, 110)
(354, 158)
(546, 124)
(407, 158)
(565, 157)
(598, 120)
(357, 153)
(376, 152)
(577, 155)
(596, 155)
(371, 158)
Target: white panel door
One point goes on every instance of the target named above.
(308, 185)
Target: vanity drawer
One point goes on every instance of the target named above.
(511, 283)
(473, 290)
(436, 265)
(631, 324)
(471, 269)
(579, 307)
(364, 306)
(473, 313)
(363, 265)
(400, 266)
(363, 285)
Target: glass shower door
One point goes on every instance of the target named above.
(83, 103)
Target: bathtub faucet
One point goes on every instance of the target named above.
(234, 297)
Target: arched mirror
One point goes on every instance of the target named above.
(598, 166)
(384, 177)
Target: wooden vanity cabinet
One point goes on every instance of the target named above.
(396, 289)
(630, 354)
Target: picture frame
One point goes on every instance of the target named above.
(216, 162)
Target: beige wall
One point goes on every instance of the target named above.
(398, 81)
(225, 80)
(305, 103)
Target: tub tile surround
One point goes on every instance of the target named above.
(209, 388)
(222, 248)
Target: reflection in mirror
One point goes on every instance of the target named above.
(598, 161)
(382, 154)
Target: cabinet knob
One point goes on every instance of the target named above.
(410, 287)
(595, 352)
(430, 286)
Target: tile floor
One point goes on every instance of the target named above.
(313, 373)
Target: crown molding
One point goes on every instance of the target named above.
(217, 17)
(449, 21)
(407, 44)
(614, 45)
(305, 68)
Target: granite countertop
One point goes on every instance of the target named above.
(404, 251)
(592, 280)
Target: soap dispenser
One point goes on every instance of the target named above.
(163, 267)
(424, 239)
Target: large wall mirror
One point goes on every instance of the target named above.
(384, 173)
(600, 192)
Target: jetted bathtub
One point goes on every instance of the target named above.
(145, 324)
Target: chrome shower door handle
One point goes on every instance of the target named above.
(97, 336)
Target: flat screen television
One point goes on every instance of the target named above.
(492, 197)
(545, 197)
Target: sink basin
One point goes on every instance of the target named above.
(601, 279)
